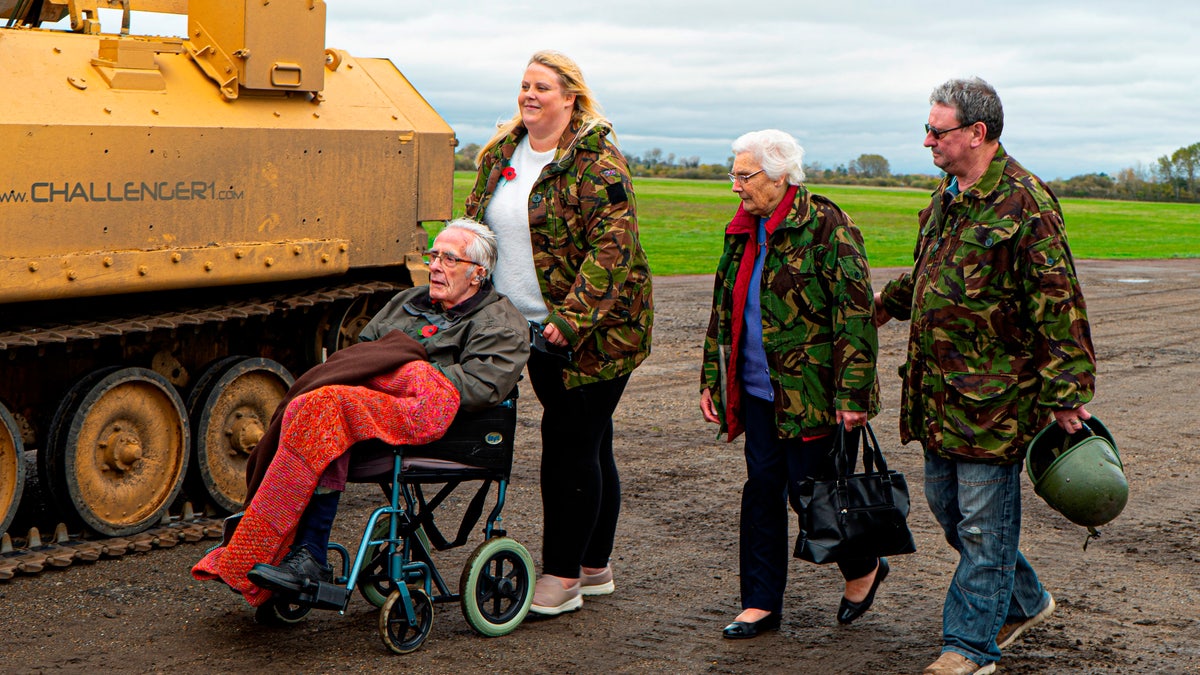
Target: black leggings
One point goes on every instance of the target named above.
(581, 490)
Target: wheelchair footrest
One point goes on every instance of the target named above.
(325, 596)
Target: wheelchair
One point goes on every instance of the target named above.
(393, 566)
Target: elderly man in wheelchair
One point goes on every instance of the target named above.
(442, 359)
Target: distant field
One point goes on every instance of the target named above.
(681, 223)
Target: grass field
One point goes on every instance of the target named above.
(681, 222)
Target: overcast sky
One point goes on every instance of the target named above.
(1093, 86)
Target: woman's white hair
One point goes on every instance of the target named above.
(776, 152)
(482, 248)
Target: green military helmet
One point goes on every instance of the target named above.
(1079, 475)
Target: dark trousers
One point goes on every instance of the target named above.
(581, 490)
(772, 465)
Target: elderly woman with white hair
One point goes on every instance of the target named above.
(789, 355)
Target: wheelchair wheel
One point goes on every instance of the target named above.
(374, 585)
(497, 586)
(397, 634)
(280, 612)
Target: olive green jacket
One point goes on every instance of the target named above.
(999, 336)
(817, 316)
(586, 249)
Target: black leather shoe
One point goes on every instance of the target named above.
(740, 630)
(849, 611)
(298, 571)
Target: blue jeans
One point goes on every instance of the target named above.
(979, 509)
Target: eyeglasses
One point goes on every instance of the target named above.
(448, 260)
(743, 177)
(938, 133)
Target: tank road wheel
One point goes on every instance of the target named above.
(346, 321)
(12, 468)
(118, 450)
(394, 628)
(497, 586)
(230, 409)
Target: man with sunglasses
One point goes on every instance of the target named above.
(999, 347)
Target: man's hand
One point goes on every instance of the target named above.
(881, 314)
(708, 408)
(1071, 421)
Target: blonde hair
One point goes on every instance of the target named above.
(587, 112)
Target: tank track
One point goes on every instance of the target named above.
(30, 556)
(34, 337)
(34, 553)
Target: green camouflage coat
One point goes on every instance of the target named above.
(999, 336)
(586, 249)
(816, 301)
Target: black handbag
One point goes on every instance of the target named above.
(854, 515)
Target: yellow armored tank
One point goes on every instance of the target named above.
(186, 224)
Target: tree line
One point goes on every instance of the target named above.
(1172, 178)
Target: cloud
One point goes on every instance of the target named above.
(1087, 86)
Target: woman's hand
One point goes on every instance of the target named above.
(554, 336)
(708, 408)
(851, 419)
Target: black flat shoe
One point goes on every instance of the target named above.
(849, 611)
(740, 630)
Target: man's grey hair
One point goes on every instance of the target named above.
(776, 152)
(482, 247)
(974, 101)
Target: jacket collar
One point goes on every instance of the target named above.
(989, 181)
(574, 139)
(422, 304)
(747, 223)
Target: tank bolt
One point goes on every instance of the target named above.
(239, 254)
(317, 115)
(71, 275)
(296, 250)
(143, 270)
(33, 266)
(324, 257)
(153, 111)
(108, 261)
(208, 266)
(269, 261)
(175, 257)
(343, 248)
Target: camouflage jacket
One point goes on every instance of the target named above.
(586, 249)
(816, 311)
(999, 335)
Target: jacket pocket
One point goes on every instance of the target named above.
(978, 414)
(985, 256)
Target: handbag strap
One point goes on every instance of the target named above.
(845, 457)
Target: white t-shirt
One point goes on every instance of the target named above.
(508, 215)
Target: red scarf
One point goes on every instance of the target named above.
(747, 224)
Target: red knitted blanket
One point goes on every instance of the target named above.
(410, 406)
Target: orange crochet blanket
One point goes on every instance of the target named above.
(410, 406)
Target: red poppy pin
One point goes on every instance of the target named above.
(428, 331)
(509, 173)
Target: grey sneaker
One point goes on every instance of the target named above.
(600, 583)
(551, 599)
(1009, 632)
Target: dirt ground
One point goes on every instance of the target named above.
(1130, 603)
